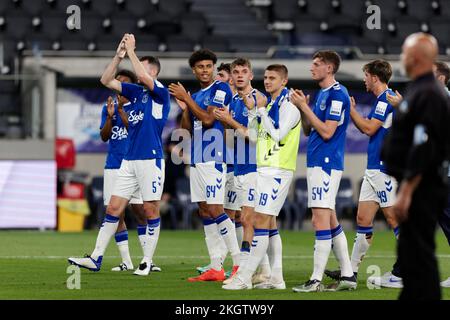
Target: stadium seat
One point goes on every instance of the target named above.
(194, 25)
(139, 8)
(179, 42)
(301, 200)
(344, 198)
(184, 199)
(421, 10)
(319, 9)
(122, 24)
(104, 8)
(172, 8)
(284, 10)
(35, 7)
(17, 26)
(216, 43)
(54, 25)
(354, 10)
(440, 29)
(147, 42)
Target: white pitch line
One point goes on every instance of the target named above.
(440, 256)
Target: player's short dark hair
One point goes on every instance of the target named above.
(243, 62)
(127, 73)
(442, 69)
(152, 60)
(380, 68)
(329, 56)
(202, 54)
(224, 66)
(280, 68)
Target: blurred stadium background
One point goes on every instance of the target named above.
(51, 154)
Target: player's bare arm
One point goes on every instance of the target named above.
(141, 73)
(108, 78)
(206, 117)
(325, 129)
(123, 115)
(367, 126)
(105, 132)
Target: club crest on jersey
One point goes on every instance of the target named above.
(145, 98)
(206, 100)
(245, 112)
(323, 105)
(118, 133)
(135, 118)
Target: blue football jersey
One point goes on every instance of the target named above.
(205, 143)
(384, 112)
(332, 103)
(147, 116)
(244, 151)
(118, 142)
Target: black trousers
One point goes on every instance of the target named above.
(444, 218)
(416, 245)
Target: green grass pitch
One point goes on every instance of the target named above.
(33, 265)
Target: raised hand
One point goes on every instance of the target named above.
(248, 100)
(261, 100)
(130, 42)
(110, 107)
(178, 91)
(299, 99)
(222, 115)
(394, 100)
(121, 50)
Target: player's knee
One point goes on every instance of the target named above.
(363, 221)
(246, 221)
(113, 209)
(151, 210)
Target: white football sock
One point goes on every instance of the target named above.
(122, 245)
(360, 246)
(213, 240)
(260, 244)
(142, 235)
(340, 249)
(107, 230)
(228, 232)
(322, 249)
(275, 252)
(153, 227)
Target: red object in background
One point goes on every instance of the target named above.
(65, 153)
(73, 190)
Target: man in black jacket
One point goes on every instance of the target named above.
(416, 153)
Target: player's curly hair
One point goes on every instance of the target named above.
(127, 73)
(380, 68)
(202, 54)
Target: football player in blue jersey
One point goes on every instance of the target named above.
(142, 167)
(113, 129)
(378, 189)
(326, 125)
(208, 170)
(244, 157)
